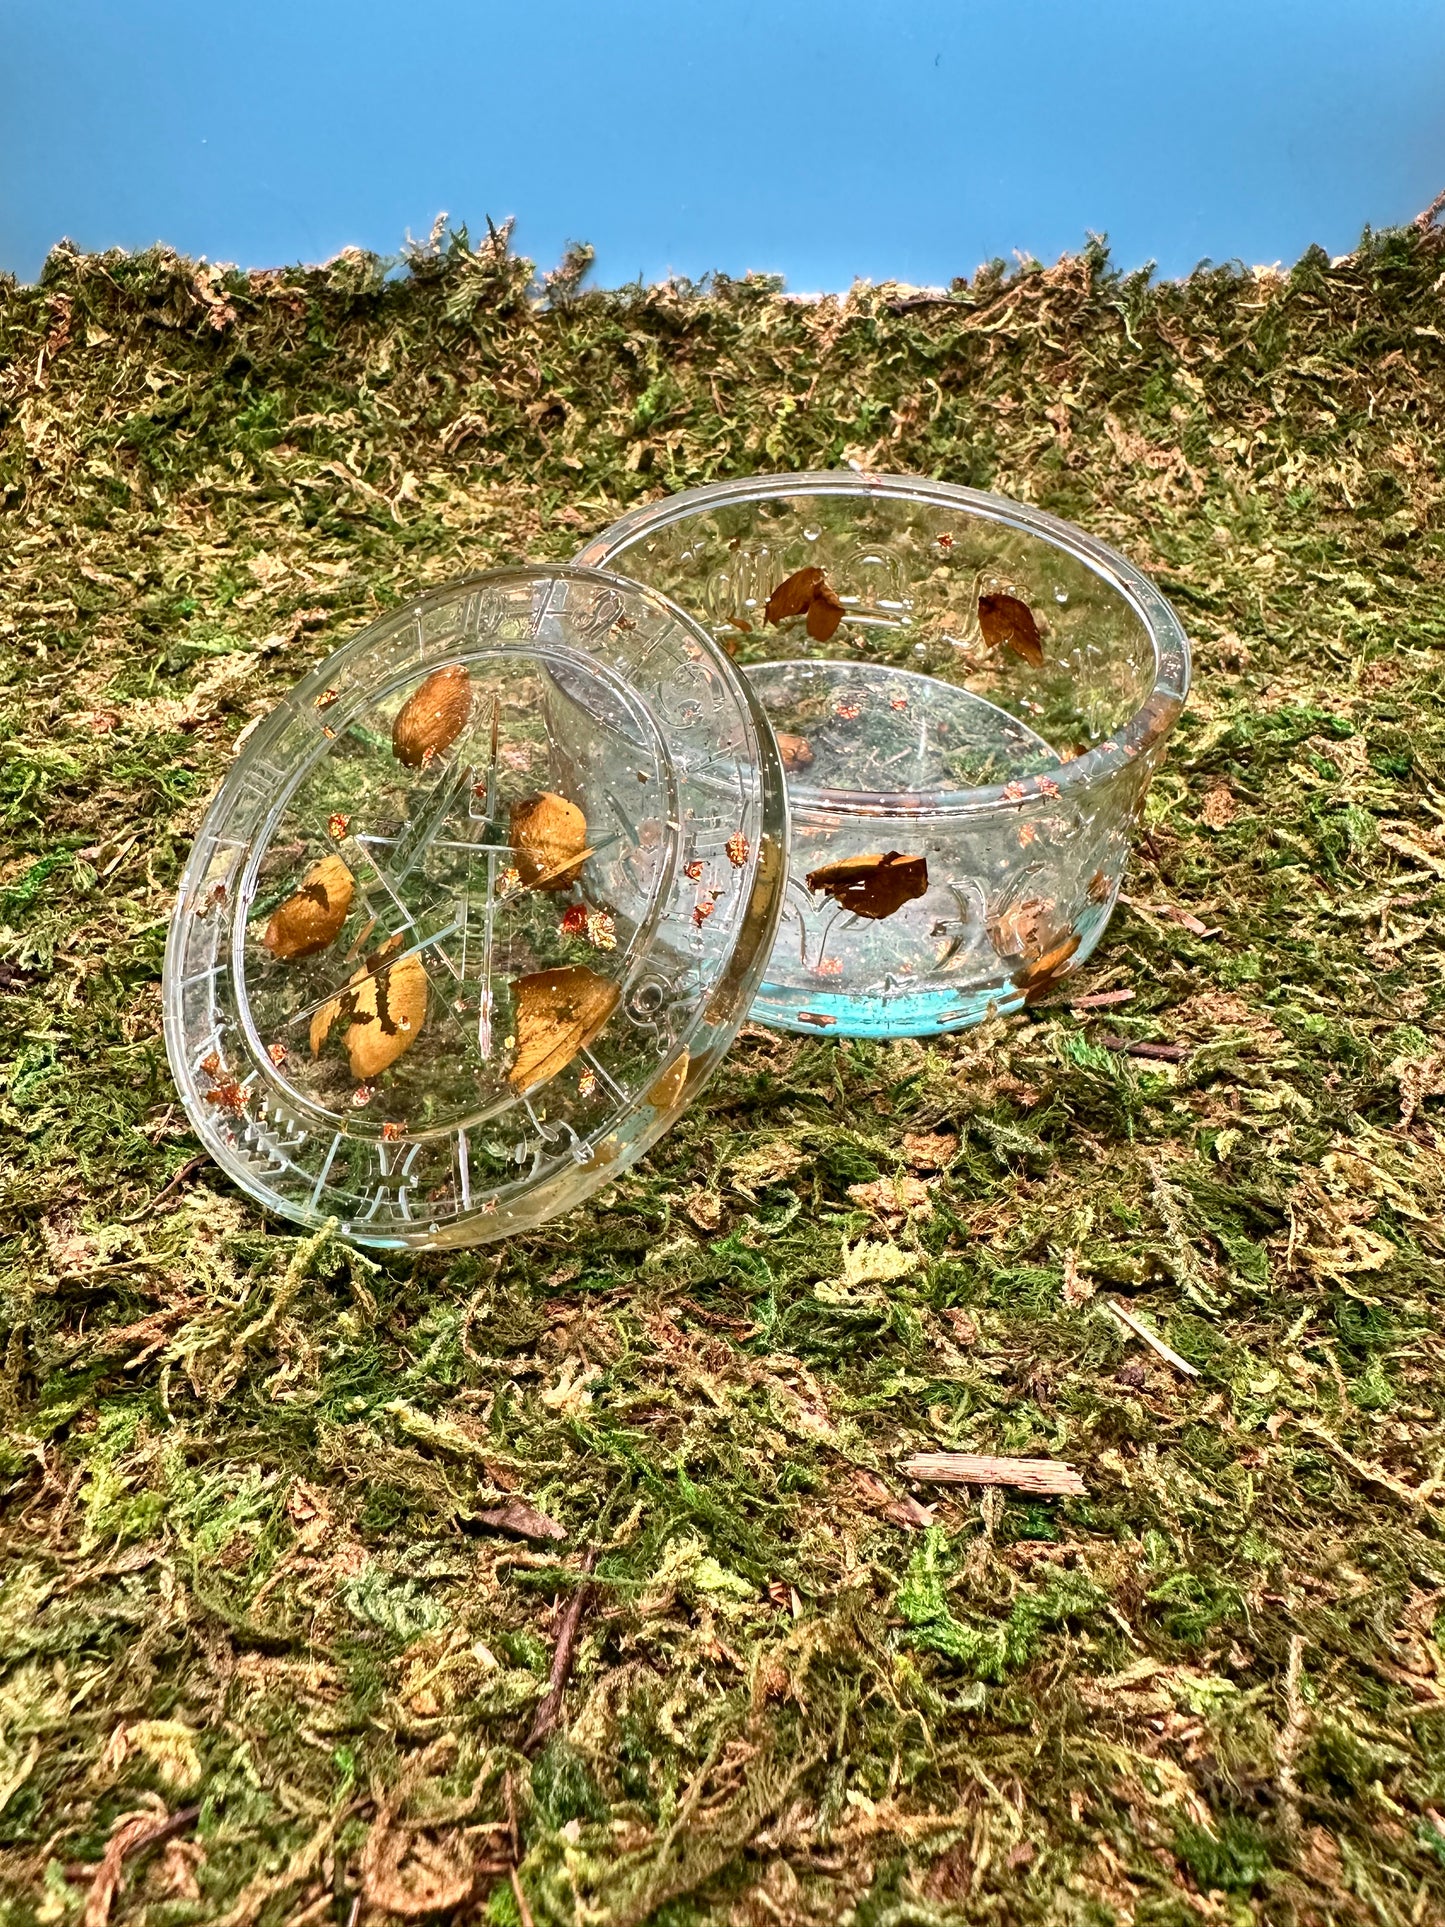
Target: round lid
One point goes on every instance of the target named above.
(477, 910)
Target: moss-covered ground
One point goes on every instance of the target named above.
(243, 1571)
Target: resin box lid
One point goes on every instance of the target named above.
(477, 909)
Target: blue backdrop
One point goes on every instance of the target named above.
(818, 139)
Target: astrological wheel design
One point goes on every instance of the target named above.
(477, 911)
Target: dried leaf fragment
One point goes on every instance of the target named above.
(1035, 942)
(793, 594)
(389, 1011)
(1044, 969)
(559, 1012)
(432, 717)
(312, 918)
(549, 839)
(1005, 620)
(893, 1197)
(383, 1007)
(323, 1022)
(905, 1511)
(796, 751)
(523, 1521)
(873, 886)
(407, 1872)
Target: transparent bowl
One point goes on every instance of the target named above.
(961, 804)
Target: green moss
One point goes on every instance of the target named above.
(213, 1513)
(1234, 1858)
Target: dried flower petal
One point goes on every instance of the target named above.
(1005, 620)
(549, 839)
(793, 594)
(559, 1012)
(432, 717)
(313, 917)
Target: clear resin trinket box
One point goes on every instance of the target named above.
(970, 698)
(477, 910)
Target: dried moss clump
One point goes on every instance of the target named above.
(279, 1602)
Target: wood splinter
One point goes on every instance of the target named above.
(1049, 1476)
(1152, 1339)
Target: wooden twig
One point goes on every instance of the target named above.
(1099, 999)
(1152, 1339)
(970, 1468)
(513, 1834)
(131, 1837)
(911, 303)
(1187, 920)
(1141, 1047)
(187, 1170)
(1425, 219)
(521, 1899)
(549, 1712)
